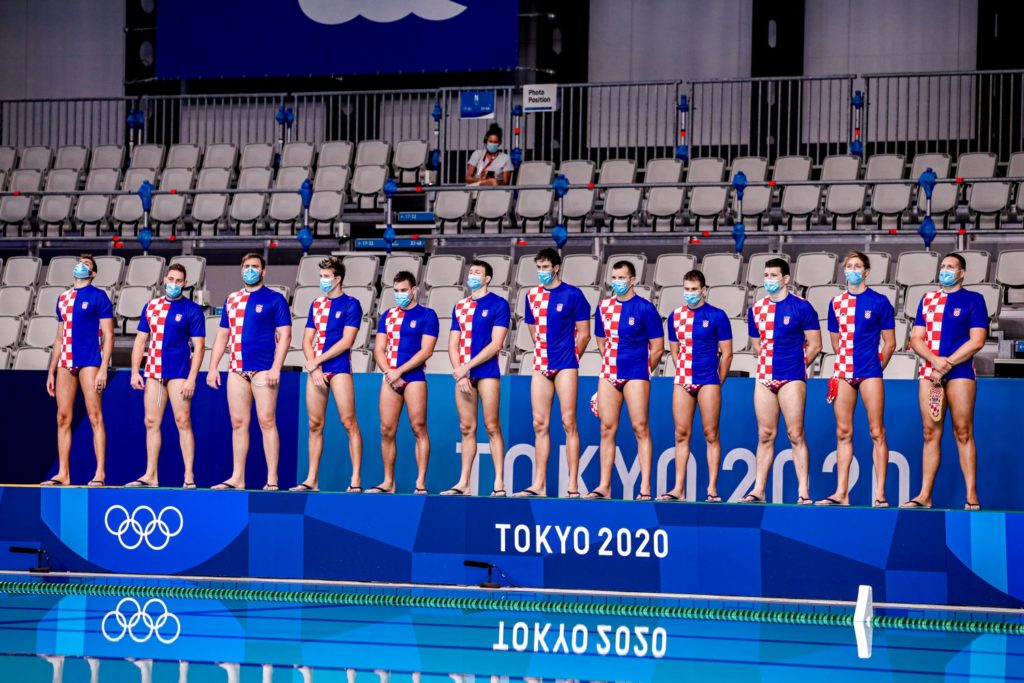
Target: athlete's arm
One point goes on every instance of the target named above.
(380, 351)
(812, 345)
(498, 335)
(454, 338)
(51, 383)
(755, 345)
(888, 345)
(107, 332)
(219, 346)
(920, 346)
(656, 349)
(138, 351)
(348, 338)
(284, 341)
(969, 347)
(582, 336)
(199, 350)
(426, 349)
(724, 359)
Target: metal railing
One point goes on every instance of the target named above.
(907, 113)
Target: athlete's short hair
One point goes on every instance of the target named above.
(858, 255)
(550, 255)
(334, 264)
(178, 268)
(404, 276)
(696, 275)
(628, 265)
(92, 260)
(488, 271)
(255, 255)
(780, 263)
(959, 259)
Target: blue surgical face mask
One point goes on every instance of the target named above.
(173, 290)
(692, 298)
(620, 287)
(326, 285)
(545, 277)
(493, 147)
(947, 278)
(250, 276)
(855, 277)
(475, 282)
(80, 271)
(403, 299)
(772, 286)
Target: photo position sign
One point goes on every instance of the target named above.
(540, 98)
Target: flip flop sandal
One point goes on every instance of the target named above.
(571, 494)
(828, 502)
(52, 482)
(668, 496)
(972, 507)
(354, 489)
(880, 503)
(139, 483)
(713, 499)
(643, 497)
(379, 489)
(224, 486)
(530, 493)
(804, 501)
(188, 485)
(596, 495)
(453, 492)
(498, 493)
(303, 488)
(271, 487)
(751, 498)
(421, 492)
(96, 483)
(915, 505)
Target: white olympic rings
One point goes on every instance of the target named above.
(140, 615)
(143, 523)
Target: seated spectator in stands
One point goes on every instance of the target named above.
(490, 166)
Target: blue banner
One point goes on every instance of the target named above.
(257, 38)
(913, 556)
(29, 426)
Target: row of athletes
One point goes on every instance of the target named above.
(255, 332)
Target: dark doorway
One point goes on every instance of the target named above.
(777, 49)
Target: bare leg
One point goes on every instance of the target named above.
(316, 409)
(490, 399)
(960, 395)
(683, 407)
(155, 403)
(931, 451)
(416, 405)
(182, 410)
(710, 401)
(343, 389)
(542, 396)
(240, 409)
(792, 400)
(843, 407)
(94, 408)
(266, 412)
(638, 400)
(872, 394)
(390, 408)
(466, 407)
(766, 408)
(609, 406)
(567, 388)
(67, 389)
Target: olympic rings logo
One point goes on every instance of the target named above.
(150, 626)
(142, 524)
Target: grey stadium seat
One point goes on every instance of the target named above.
(10, 331)
(705, 170)
(579, 269)
(879, 273)
(183, 156)
(110, 270)
(492, 209)
(721, 268)
(730, 298)
(331, 179)
(707, 203)
(820, 296)
(814, 268)
(362, 360)
(22, 271)
(444, 270)
(58, 272)
(450, 210)
(755, 266)
(364, 295)
(302, 299)
(29, 358)
(977, 265)
(221, 155)
(128, 208)
(889, 203)
(443, 299)
(590, 364)
(621, 205)
(532, 209)
(46, 301)
(743, 363)
(335, 153)
(148, 156)
(800, 201)
(884, 167)
(901, 366)
(663, 171)
(41, 331)
(195, 269)
(367, 184)
(639, 262)
(286, 208)
(987, 203)
(670, 299)
(916, 267)
(669, 269)
(15, 210)
(15, 300)
(840, 167)
(360, 270)
(373, 153)
(913, 297)
(256, 155)
(410, 160)
(169, 209)
(145, 271)
(398, 262)
(501, 265)
(36, 158)
(843, 203)
(55, 210)
(297, 154)
(8, 155)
